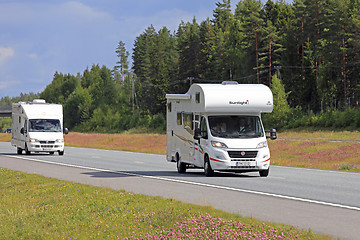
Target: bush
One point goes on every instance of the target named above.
(356, 123)
(158, 122)
(5, 122)
(280, 116)
(330, 119)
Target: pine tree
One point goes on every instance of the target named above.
(122, 65)
(188, 47)
(207, 51)
(271, 48)
(354, 51)
(248, 12)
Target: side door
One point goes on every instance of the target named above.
(202, 143)
(188, 136)
(195, 143)
(23, 136)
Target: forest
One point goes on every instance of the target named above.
(308, 52)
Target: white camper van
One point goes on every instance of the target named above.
(37, 127)
(218, 127)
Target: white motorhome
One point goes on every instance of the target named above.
(218, 127)
(37, 127)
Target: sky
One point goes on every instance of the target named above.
(41, 37)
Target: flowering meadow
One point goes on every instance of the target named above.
(205, 226)
(35, 207)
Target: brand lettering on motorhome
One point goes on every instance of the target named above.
(240, 102)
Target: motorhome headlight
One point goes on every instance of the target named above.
(262, 144)
(59, 140)
(218, 144)
(33, 140)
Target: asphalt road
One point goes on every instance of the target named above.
(326, 202)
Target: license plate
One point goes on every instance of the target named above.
(245, 164)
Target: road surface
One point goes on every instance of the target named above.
(326, 202)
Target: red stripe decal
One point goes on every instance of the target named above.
(199, 150)
(266, 160)
(213, 159)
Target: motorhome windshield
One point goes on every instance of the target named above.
(44, 125)
(235, 126)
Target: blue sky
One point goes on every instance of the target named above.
(40, 37)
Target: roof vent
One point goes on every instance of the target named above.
(39, 101)
(229, 83)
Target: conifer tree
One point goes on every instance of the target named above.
(248, 12)
(122, 65)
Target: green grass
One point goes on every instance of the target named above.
(35, 207)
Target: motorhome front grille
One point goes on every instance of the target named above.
(47, 142)
(243, 154)
(244, 160)
(47, 146)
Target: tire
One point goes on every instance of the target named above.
(207, 167)
(264, 173)
(51, 153)
(61, 153)
(181, 167)
(19, 151)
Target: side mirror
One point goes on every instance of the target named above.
(22, 130)
(273, 134)
(197, 134)
(66, 131)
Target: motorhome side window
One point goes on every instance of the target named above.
(25, 125)
(235, 126)
(188, 123)
(179, 118)
(197, 97)
(169, 106)
(203, 128)
(197, 121)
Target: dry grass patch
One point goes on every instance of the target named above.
(316, 154)
(5, 137)
(148, 143)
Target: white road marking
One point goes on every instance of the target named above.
(196, 184)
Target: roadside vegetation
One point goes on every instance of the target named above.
(35, 207)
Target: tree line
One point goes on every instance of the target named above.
(310, 47)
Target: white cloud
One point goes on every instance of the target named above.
(82, 11)
(33, 56)
(6, 53)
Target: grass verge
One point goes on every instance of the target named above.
(35, 207)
